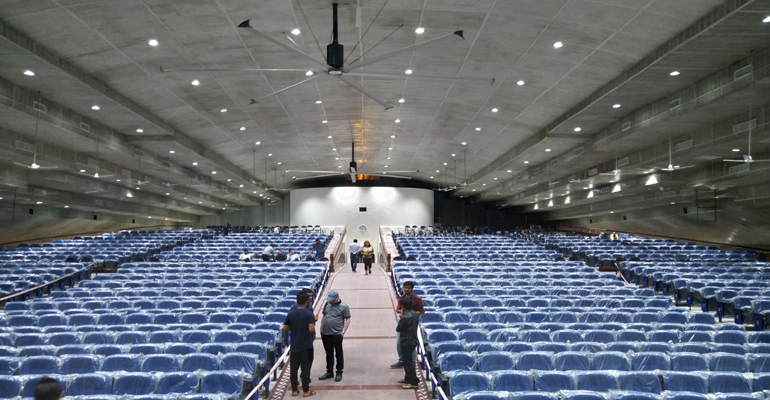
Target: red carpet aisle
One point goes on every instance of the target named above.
(369, 345)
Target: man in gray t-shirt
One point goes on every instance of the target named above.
(336, 319)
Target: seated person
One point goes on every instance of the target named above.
(293, 256)
(245, 256)
(280, 256)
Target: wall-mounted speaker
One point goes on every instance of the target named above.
(684, 210)
(31, 211)
(95, 217)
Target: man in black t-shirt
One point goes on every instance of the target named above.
(301, 323)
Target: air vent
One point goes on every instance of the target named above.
(739, 168)
(593, 171)
(39, 192)
(623, 161)
(674, 104)
(744, 126)
(93, 162)
(202, 179)
(741, 72)
(138, 153)
(687, 192)
(185, 171)
(626, 125)
(605, 190)
(110, 204)
(126, 173)
(536, 171)
(113, 188)
(554, 162)
(99, 202)
(683, 145)
(147, 179)
(669, 193)
(24, 146)
(166, 164)
(522, 177)
(579, 151)
(639, 199)
(174, 203)
(39, 107)
(84, 126)
(69, 178)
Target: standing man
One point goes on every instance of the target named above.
(354, 248)
(319, 249)
(407, 330)
(301, 323)
(333, 327)
(268, 254)
(418, 306)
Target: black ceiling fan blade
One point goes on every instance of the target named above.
(402, 50)
(365, 91)
(318, 176)
(404, 76)
(313, 172)
(245, 25)
(388, 176)
(164, 70)
(283, 90)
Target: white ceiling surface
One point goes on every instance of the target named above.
(508, 40)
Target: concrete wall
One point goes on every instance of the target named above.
(269, 214)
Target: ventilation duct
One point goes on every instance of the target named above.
(744, 126)
(739, 168)
(687, 144)
(24, 146)
(674, 104)
(579, 151)
(741, 72)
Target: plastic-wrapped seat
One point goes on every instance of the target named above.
(200, 361)
(572, 361)
(728, 362)
(160, 363)
(533, 360)
(566, 336)
(39, 365)
(90, 384)
(512, 381)
(196, 336)
(177, 382)
(9, 365)
(688, 362)
(229, 383)
(80, 364)
(731, 337)
(146, 349)
(244, 362)
(599, 336)
(484, 395)
(554, 381)
(131, 337)
(611, 361)
(598, 381)
(441, 335)
(685, 382)
(181, 348)
(650, 361)
(583, 395)
(647, 382)
(728, 383)
(10, 386)
(122, 362)
(496, 361)
(468, 381)
(135, 383)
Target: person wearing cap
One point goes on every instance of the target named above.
(335, 322)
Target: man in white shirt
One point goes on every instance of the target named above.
(268, 254)
(277, 229)
(293, 256)
(354, 248)
(246, 257)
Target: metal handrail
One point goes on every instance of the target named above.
(41, 286)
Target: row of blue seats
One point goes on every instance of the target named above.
(492, 361)
(622, 300)
(168, 281)
(607, 385)
(110, 317)
(167, 386)
(563, 316)
(117, 303)
(258, 266)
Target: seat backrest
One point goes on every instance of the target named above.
(572, 361)
(611, 360)
(554, 381)
(177, 382)
(533, 360)
(512, 381)
(468, 381)
(496, 361)
(685, 382)
(647, 382)
(229, 383)
(650, 361)
(728, 362)
(728, 383)
(598, 381)
(90, 384)
(135, 383)
(457, 361)
(688, 362)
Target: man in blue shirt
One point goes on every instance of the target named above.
(319, 249)
(354, 248)
(301, 323)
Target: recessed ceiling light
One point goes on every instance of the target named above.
(674, 73)
(240, 186)
(547, 150)
(478, 129)
(229, 180)
(612, 212)
(278, 164)
(318, 101)
(495, 179)
(386, 166)
(39, 202)
(168, 194)
(388, 158)
(255, 192)
(29, 73)
(431, 177)
(616, 106)
(454, 155)
(398, 120)
(474, 190)
(483, 184)
(339, 166)
(200, 202)
(558, 45)
(64, 206)
(324, 121)
(336, 158)
(153, 42)
(196, 82)
(295, 31)
(94, 107)
(223, 110)
(258, 143)
(171, 151)
(392, 136)
(766, 20)
(195, 163)
(243, 128)
(137, 188)
(213, 172)
(334, 149)
(526, 162)
(309, 73)
(400, 100)
(494, 110)
(419, 30)
(509, 171)
(444, 163)
(293, 177)
(82, 170)
(261, 194)
(117, 180)
(390, 148)
(673, 202)
(270, 154)
(149, 216)
(408, 72)
(139, 130)
(329, 137)
(578, 129)
(736, 150)
(438, 171)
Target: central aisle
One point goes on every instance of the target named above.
(369, 344)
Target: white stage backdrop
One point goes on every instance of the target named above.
(342, 206)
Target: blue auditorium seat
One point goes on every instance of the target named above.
(611, 361)
(456, 361)
(567, 336)
(696, 336)
(588, 347)
(89, 384)
(482, 347)
(121, 362)
(98, 338)
(650, 361)
(701, 318)
(728, 383)
(135, 383)
(200, 361)
(572, 361)
(630, 335)
(512, 381)
(243, 362)
(496, 361)
(196, 336)
(534, 396)
(9, 365)
(216, 348)
(554, 381)
(80, 364)
(728, 362)
(760, 382)
(131, 337)
(145, 349)
(598, 381)
(674, 318)
(533, 360)
(732, 337)
(688, 362)
(599, 336)
(535, 335)
(468, 381)
(163, 337)
(636, 396)
(760, 363)
(177, 382)
(39, 365)
(663, 336)
(441, 335)
(229, 383)
(10, 387)
(685, 382)
(647, 382)
(473, 335)
(69, 349)
(160, 363)
(484, 395)
(517, 347)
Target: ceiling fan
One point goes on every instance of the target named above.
(96, 174)
(353, 171)
(275, 178)
(671, 166)
(333, 64)
(747, 157)
(34, 164)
